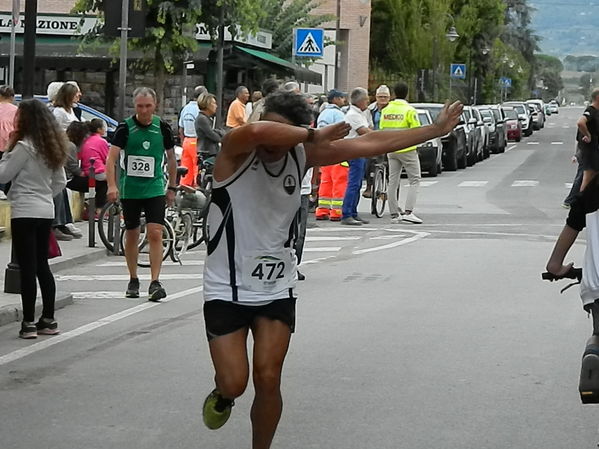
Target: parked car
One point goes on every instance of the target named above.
(490, 123)
(484, 130)
(501, 129)
(455, 150)
(430, 152)
(540, 105)
(513, 124)
(87, 114)
(537, 116)
(473, 136)
(554, 106)
(547, 110)
(523, 114)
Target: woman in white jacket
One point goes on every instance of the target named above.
(34, 164)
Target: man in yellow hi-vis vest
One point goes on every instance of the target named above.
(400, 115)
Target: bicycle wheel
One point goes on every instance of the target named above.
(379, 192)
(168, 237)
(105, 224)
(197, 231)
(183, 227)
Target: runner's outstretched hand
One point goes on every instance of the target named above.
(331, 132)
(449, 117)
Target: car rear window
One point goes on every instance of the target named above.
(511, 114)
(423, 118)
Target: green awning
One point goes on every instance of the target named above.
(301, 74)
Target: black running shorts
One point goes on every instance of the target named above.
(590, 155)
(152, 207)
(225, 317)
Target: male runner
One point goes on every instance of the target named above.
(144, 138)
(250, 269)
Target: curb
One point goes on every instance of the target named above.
(11, 313)
(64, 263)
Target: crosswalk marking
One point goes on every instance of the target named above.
(328, 238)
(322, 249)
(473, 184)
(166, 263)
(428, 183)
(123, 277)
(532, 143)
(568, 185)
(525, 183)
(557, 143)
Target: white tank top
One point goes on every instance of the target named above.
(252, 230)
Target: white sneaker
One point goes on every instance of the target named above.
(411, 218)
(2, 195)
(396, 220)
(74, 230)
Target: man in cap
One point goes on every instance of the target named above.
(333, 178)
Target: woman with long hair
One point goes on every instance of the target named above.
(65, 101)
(34, 164)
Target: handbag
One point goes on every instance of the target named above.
(53, 248)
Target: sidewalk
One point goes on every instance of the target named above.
(74, 252)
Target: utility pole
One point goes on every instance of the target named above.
(220, 66)
(29, 48)
(337, 40)
(16, 16)
(123, 58)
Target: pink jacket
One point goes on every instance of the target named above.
(95, 146)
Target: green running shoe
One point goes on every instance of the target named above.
(216, 410)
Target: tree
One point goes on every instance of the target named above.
(549, 69)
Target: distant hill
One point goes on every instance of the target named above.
(566, 27)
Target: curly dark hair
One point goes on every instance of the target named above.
(77, 132)
(34, 122)
(290, 105)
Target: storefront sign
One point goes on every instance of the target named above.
(261, 39)
(51, 24)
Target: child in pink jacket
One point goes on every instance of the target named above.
(96, 147)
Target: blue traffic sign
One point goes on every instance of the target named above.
(458, 71)
(308, 42)
(505, 82)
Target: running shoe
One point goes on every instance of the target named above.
(46, 326)
(156, 291)
(132, 288)
(411, 218)
(28, 330)
(216, 410)
(359, 218)
(73, 230)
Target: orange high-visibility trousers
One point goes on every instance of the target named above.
(333, 182)
(189, 160)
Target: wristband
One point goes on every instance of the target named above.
(172, 189)
(311, 133)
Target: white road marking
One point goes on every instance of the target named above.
(473, 183)
(123, 277)
(417, 236)
(568, 185)
(166, 263)
(46, 343)
(511, 148)
(565, 126)
(525, 183)
(532, 143)
(427, 183)
(557, 143)
(328, 238)
(323, 249)
(101, 295)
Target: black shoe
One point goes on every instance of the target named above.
(28, 330)
(351, 221)
(47, 326)
(132, 288)
(300, 276)
(156, 292)
(589, 376)
(357, 217)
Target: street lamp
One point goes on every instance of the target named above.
(451, 36)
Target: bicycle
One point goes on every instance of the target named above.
(573, 273)
(105, 224)
(187, 219)
(380, 183)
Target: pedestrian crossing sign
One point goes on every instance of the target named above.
(458, 71)
(308, 42)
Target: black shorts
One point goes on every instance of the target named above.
(152, 207)
(589, 156)
(225, 317)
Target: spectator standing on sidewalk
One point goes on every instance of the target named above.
(208, 136)
(96, 147)
(34, 164)
(65, 101)
(357, 118)
(52, 91)
(400, 115)
(333, 178)
(187, 133)
(145, 139)
(236, 114)
(269, 86)
(588, 139)
(7, 122)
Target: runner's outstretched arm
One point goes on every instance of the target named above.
(384, 141)
(274, 137)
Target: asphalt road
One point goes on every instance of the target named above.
(439, 335)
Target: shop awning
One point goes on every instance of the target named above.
(301, 74)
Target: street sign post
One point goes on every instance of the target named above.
(308, 42)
